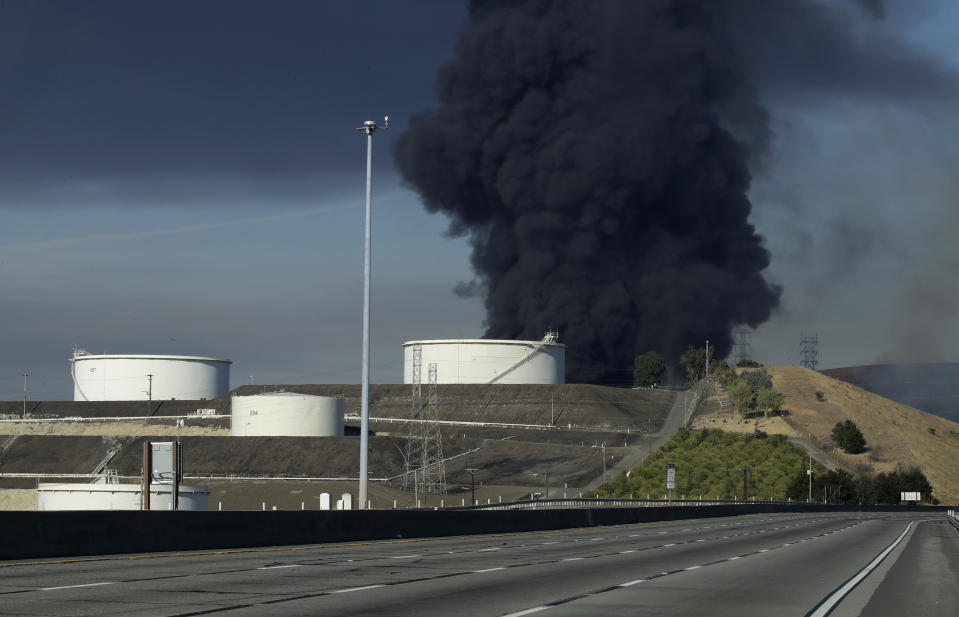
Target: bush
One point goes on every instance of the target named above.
(758, 380)
(748, 363)
(848, 437)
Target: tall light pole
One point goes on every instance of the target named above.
(369, 127)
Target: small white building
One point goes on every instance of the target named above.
(279, 414)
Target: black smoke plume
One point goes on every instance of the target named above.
(595, 154)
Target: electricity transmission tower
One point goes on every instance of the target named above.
(809, 351)
(425, 470)
(742, 342)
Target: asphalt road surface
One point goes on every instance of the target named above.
(777, 564)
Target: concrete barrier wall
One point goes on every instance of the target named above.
(67, 534)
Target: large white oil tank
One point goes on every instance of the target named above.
(279, 414)
(142, 377)
(488, 361)
(117, 497)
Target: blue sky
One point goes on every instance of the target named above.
(186, 178)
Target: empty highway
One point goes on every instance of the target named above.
(775, 564)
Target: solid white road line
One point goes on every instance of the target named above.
(75, 586)
(487, 570)
(573, 558)
(840, 593)
(405, 556)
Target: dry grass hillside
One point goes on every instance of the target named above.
(895, 434)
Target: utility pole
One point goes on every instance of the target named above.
(149, 391)
(603, 447)
(472, 472)
(368, 127)
(25, 375)
(809, 473)
(707, 360)
(649, 436)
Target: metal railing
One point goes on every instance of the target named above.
(110, 418)
(544, 504)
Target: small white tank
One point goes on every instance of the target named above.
(287, 414)
(117, 497)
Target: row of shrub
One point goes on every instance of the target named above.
(710, 464)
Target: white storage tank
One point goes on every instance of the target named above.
(117, 497)
(141, 377)
(488, 361)
(287, 414)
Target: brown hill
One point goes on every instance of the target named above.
(895, 433)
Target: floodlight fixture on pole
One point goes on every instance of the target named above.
(369, 127)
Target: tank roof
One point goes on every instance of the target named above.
(296, 394)
(487, 341)
(145, 357)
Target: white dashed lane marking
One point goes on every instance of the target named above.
(357, 589)
(75, 586)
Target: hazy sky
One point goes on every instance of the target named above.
(186, 178)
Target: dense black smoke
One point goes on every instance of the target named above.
(586, 149)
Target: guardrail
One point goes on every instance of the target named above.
(112, 418)
(576, 503)
(953, 517)
(210, 476)
(629, 430)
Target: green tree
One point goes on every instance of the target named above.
(694, 359)
(848, 437)
(748, 363)
(648, 369)
(769, 399)
(742, 396)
